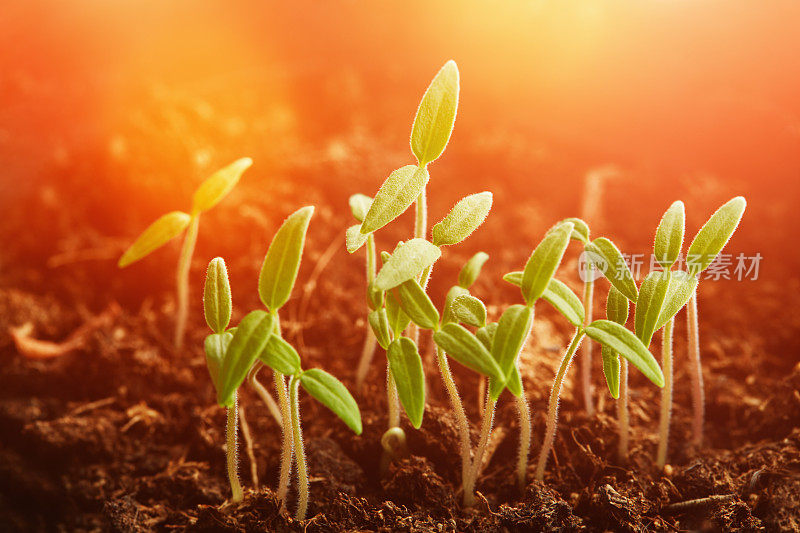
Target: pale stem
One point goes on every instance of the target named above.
(666, 394)
(474, 471)
(370, 341)
(552, 408)
(288, 445)
(481, 393)
(262, 393)
(299, 453)
(182, 280)
(458, 407)
(698, 393)
(248, 440)
(622, 411)
(586, 349)
(421, 219)
(524, 438)
(231, 449)
(392, 398)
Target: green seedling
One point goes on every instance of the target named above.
(703, 250)
(169, 226)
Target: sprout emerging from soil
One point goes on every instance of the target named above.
(169, 226)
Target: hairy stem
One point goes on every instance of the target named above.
(586, 349)
(524, 439)
(622, 411)
(182, 280)
(552, 408)
(231, 450)
(370, 341)
(698, 393)
(474, 471)
(666, 394)
(248, 441)
(421, 218)
(262, 393)
(392, 399)
(299, 452)
(458, 407)
(288, 445)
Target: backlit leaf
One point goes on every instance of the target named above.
(472, 269)
(454, 292)
(216, 346)
(359, 206)
(436, 115)
(155, 236)
(544, 261)
(398, 319)
(514, 278)
(617, 306)
(681, 287)
(251, 337)
(409, 377)
(379, 322)
(217, 304)
(282, 262)
(714, 235)
(464, 347)
(217, 187)
(470, 310)
(280, 356)
(417, 305)
(625, 343)
(607, 258)
(648, 307)
(398, 192)
(486, 334)
(330, 392)
(565, 301)
(512, 331)
(669, 235)
(580, 230)
(611, 369)
(354, 239)
(408, 261)
(465, 217)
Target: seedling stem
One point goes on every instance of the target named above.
(622, 411)
(666, 393)
(231, 433)
(524, 438)
(483, 441)
(370, 342)
(182, 280)
(698, 394)
(461, 419)
(299, 452)
(586, 349)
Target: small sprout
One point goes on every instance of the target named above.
(669, 235)
(251, 337)
(606, 257)
(436, 115)
(407, 261)
(397, 193)
(465, 217)
(169, 226)
(652, 294)
(544, 262)
(472, 269)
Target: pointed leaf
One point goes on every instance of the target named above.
(625, 343)
(681, 288)
(714, 235)
(379, 322)
(359, 206)
(330, 392)
(544, 261)
(217, 305)
(512, 331)
(436, 115)
(465, 217)
(155, 236)
(398, 192)
(459, 344)
(408, 261)
(374, 297)
(514, 278)
(282, 262)
(617, 306)
(217, 187)
(280, 356)
(513, 384)
(606, 257)
(216, 346)
(580, 230)
(611, 369)
(354, 239)
(398, 319)
(648, 307)
(669, 235)
(486, 334)
(252, 335)
(417, 305)
(409, 377)
(565, 301)
(454, 292)
(470, 310)
(472, 269)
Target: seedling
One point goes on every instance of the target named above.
(169, 226)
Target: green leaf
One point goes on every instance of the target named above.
(486, 334)
(580, 230)
(252, 335)
(374, 297)
(216, 346)
(472, 269)
(681, 287)
(155, 236)
(465, 217)
(611, 368)
(514, 278)
(617, 306)
(565, 301)
(408, 261)
(280, 356)
(398, 192)
(217, 304)
(417, 305)
(454, 292)
(436, 115)
(409, 377)
(513, 384)
(398, 319)
(217, 187)
(461, 345)
(359, 206)
(648, 307)
(330, 392)
(544, 261)
(379, 322)
(282, 262)
(625, 343)
(606, 257)
(512, 331)
(469, 310)
(354, 239)
(669, 235)
(714, 235)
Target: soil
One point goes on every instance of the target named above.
(123, 434)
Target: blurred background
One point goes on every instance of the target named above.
(112, 112)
